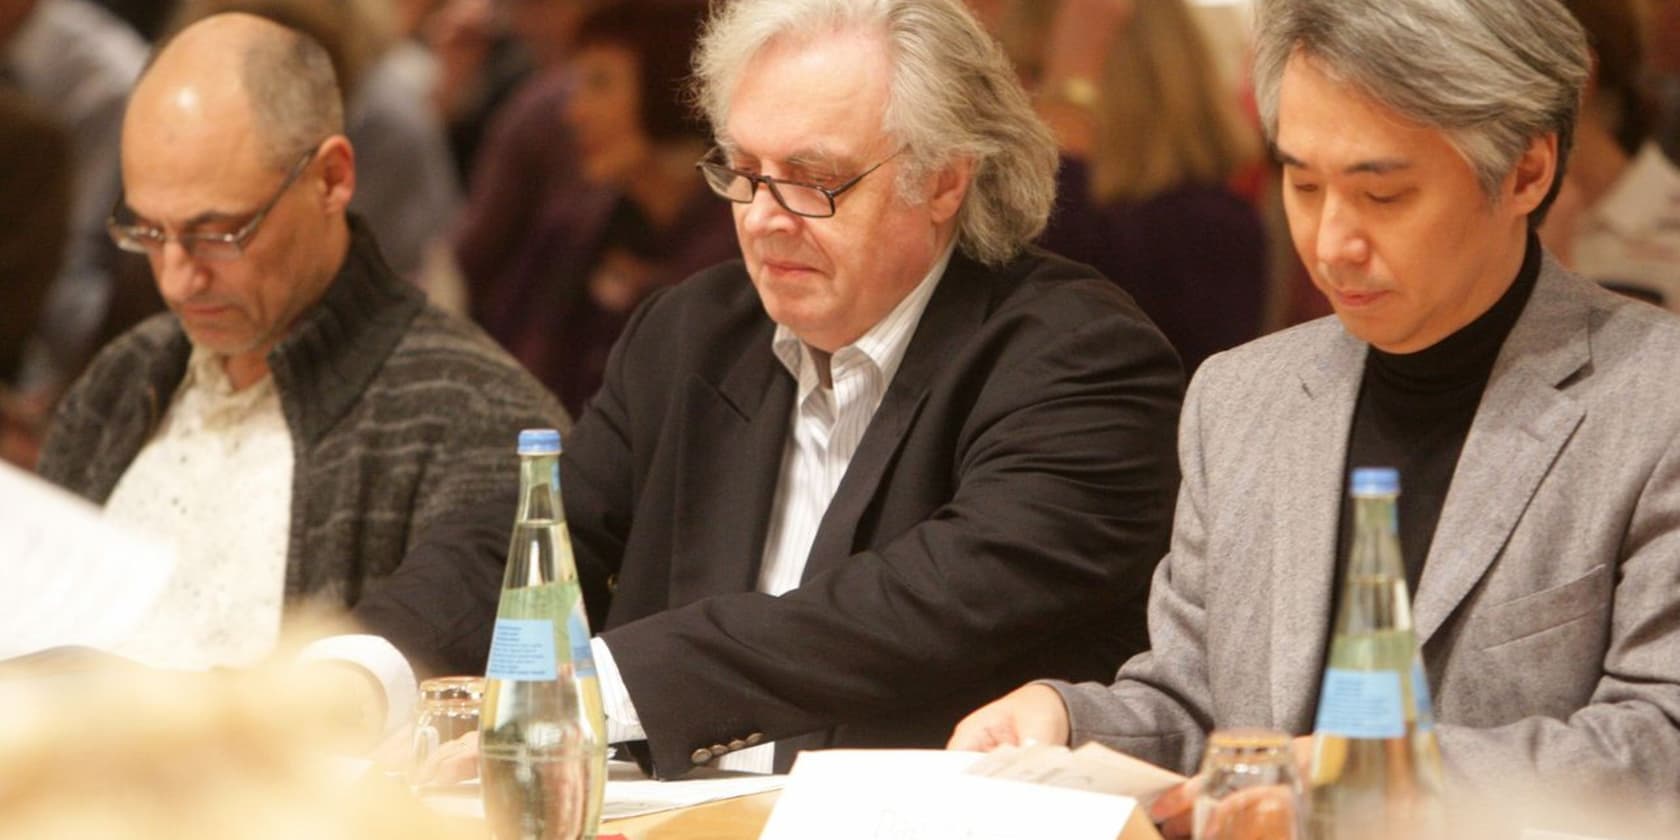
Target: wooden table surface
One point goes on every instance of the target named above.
(741, 818)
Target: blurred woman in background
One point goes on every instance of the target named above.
(647, 221)
(1153, 144)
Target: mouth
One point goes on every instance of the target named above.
(1357, 299)
(199, 311)
(786, 267)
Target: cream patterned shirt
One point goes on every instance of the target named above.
(215, 481)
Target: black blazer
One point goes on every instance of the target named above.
(998, 523)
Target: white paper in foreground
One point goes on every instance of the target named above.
(926, 795)
(72, 577)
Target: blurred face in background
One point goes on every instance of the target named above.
(545, 27)
(604, 113)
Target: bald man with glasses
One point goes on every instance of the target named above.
(300, 421)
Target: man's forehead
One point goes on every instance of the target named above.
(810, 100)
(1325, 123)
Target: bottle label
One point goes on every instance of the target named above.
(1361, 704)
(522, 649)
(1425, 708)
(583, 657)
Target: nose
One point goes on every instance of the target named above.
(1340, 238)
(764, 214)
(179, 276)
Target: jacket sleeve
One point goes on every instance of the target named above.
(1156, 708)
(439, 604)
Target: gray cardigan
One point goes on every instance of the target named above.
(399, 414)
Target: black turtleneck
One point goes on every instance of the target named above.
(1414, 412)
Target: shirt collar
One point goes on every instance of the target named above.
(883, 345)
(208, 394)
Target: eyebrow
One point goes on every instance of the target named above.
(198, 220)
(809, 158)
(1379, 166)
(209, 216)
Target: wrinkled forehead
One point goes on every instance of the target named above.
(816, 99)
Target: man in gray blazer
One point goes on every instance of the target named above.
(1534, 419)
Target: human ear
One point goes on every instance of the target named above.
(338, 173)
(950, 186)
(1531, 179)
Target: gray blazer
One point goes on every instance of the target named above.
(1549, 608)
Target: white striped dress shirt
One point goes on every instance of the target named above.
(825, 428)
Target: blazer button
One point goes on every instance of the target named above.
(700, 756)
(719, 750)
(737, 744)
(755, 739)
(612, 583)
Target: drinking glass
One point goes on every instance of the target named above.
(448, 709)
(1250, 789)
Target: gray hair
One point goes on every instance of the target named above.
(953, 95)
(1491, 75)
(294, 95)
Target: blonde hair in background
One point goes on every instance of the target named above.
(1166, 116)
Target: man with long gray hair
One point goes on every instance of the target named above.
(897, 460)
(1532, 416)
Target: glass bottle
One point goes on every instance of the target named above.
(542, 737)
(1376, 768)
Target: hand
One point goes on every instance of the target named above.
(1032, 713)
(1174, 811)
(1259, 813)
(616, 286)
(451, 763)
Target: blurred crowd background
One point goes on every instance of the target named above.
(529, 164)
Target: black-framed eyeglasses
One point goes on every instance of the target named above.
(813, 201)
(141, 239)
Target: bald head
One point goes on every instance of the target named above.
(242, 74)
(235, 130)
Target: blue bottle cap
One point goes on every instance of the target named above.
(1376, 481)
(539, 442)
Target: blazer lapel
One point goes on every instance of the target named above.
(729, 480)
(1521, 425)
(953, 313)
(1307, 507)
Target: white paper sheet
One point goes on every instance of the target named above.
(1092, 767)
(72, 578)
(927, 795)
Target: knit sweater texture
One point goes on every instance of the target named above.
(399, 414)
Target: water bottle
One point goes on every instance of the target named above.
(1376, 768)
(542, 737)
